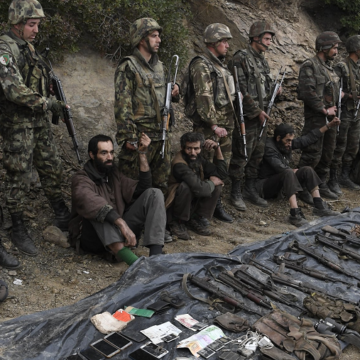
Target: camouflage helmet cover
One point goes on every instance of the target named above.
(22, 10)
(216, 32)
(140, 28)
(260, 27)
(326, 40)
(353, 44)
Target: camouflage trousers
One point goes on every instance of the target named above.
(23, 147)
(160, 167)
(347, 144)
(225, 144)
(318, 155)
(255, 152)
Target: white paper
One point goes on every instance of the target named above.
(157, 332)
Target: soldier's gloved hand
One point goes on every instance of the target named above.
(56, 107)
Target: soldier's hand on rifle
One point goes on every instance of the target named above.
(263, 115)
(175, 91)
(330, 111)
(51, 90)
(210, 144)
(144, 142)
(219, 131)
(130, 238)
(279, 92)
(342, 94)
(132, 147)
(57, 107)
(216, 181)
(334, 122)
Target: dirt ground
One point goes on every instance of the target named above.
(60, 277)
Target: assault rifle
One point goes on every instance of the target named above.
(204, 284)
(322, 259)
(167, 107)
(272, 100)
(339, 104)
(297, 265)
(244, 290)
(357, 108)
(281, 278)
(60, 95)
(239, 106)
(345, 237)
(333, 243)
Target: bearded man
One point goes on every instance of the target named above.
(276, 174)
(195, 186)
(109, 210)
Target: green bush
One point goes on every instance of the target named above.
(351, 17)
(105, 24)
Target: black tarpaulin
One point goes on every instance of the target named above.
(58, 333)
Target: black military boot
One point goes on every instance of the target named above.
(221, 214)
(236, 195)
(324, 189)
(297, 218)
(306, 197)
(20, 237)
(6, 260)
(250, 193)
(333, 182)
(345, 181)
(62, 215)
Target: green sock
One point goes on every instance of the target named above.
(125, 254)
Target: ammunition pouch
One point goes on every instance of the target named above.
(298, 336)
(232, 322)
(322, 307)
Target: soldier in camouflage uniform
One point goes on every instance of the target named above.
(347, 142)
(25, 127)
(210, 95)
(256, 83)
(319, 89)
(140, 87)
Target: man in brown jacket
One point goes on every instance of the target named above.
(195, 186)
(109, 210)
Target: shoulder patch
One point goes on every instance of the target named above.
(4, 59)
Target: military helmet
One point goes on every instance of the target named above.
(140, 28)
(326, 40)
(216, 32)
(259, 28)
(22, 10)
(353, 43)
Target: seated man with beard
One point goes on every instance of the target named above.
(110, 209)
(276, 174)
(195, 185)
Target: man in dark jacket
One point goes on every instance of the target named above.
(109, 209)
(277, 175)
(195, 185)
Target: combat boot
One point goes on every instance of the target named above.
(250, 193)
(297, 218)
(236, 195)
(306, 197)
(62, 215)
(6, 260)
(221, 214)
(333, 182)
(324, 189)
(20, 237)
(345, 180)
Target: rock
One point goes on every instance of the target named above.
(12, 273)
(263, 223)
(55, 236)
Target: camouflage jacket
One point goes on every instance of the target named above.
(348, 105)
(24, 83)
(135, 109)
(211, 102)
(318, 86)
(243, 60)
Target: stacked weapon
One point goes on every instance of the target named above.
(347, 238)
(204, 284)
(167, 107)
(272, 101)
(60, 95)
(357, 108)
(322, 259)
(239, 105)
(336, 245)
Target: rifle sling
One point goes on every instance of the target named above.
(156, 102)
(187, 292)
(352, 82)
(257, 77)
